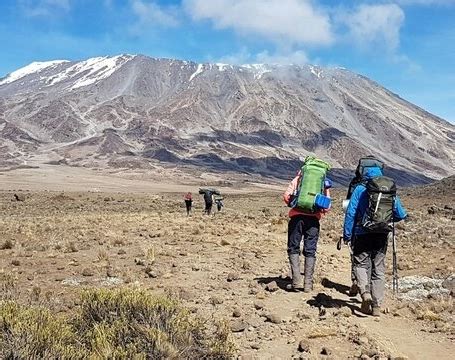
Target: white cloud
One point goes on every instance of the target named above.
(282, 21)
(244, 56)
(296, 25)
(33, 8)
(151, 14)
(238, 58)
(374, 26)
(410, 66)
(298, 57)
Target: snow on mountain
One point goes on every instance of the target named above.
(137, 110)
(223, 67)
(316, 71)
(91, 70)
(258, 69)
(200, 69)
(32, 68)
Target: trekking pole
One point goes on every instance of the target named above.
(394, 257)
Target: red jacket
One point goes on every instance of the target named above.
(292, 188)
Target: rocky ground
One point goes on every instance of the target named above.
(233, 266)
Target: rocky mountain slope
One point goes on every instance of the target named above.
(141, 112)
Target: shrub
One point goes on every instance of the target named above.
(7, 244)
(8, 286)
(35, 333)
(120, 324)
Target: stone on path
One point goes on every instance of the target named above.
(272, 286)
(304, 346)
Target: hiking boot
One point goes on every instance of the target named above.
(308, 276)
(294, 261)
(366, 303)
(376, 311)
(353, 290)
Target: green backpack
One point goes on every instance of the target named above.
(311, 184)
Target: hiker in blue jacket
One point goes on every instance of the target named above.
(369, 248)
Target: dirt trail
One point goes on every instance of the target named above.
(395, 333)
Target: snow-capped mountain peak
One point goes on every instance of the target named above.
(133, 108)
(32, 68)
(80, 73)
(91, 70)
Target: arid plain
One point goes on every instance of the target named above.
(58, 238)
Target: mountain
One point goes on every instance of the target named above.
(135, 111)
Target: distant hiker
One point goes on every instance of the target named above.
(309, 196)
(208, 199)
(370, 216)
(188, 202)
(219, 203)
(362, 167)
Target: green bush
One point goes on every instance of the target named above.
(111, 324)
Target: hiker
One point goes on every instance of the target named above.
(188, 202)
(371, 213)
(208, 199)
(363, 165)
(304, 219)
(219, 203)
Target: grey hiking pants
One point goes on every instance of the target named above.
(369, 254)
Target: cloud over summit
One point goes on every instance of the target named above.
(288, 21)
(374, 25)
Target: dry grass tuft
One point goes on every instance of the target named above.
(35, 333)
(103, 256)
(428, 315)
(433, 309)
(8, 244)
(150, 254)
(120, 324)
(118, 242)
(322, 332)
(8, 286)
(71, 247)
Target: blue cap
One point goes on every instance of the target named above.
(327, 183)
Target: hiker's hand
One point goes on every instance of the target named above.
(292, 200)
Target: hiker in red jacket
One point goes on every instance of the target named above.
(303, 225)
(188, 202)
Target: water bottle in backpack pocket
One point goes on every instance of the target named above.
(322, 201)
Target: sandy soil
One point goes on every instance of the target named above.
(67, 178)
(231, 266)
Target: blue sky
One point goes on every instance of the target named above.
(406, 45)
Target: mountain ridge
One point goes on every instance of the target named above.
(107, 110)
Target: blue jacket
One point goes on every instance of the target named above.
(358, 205)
